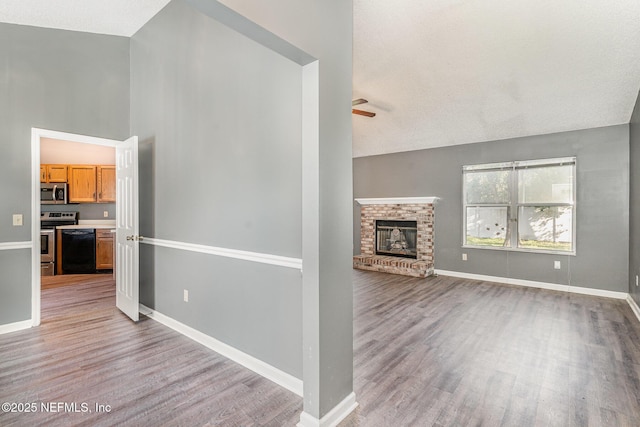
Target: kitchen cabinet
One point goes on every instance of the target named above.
(82, 184)
(106, 184)
(53, 173)
(104, 249)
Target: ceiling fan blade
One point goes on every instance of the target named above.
(358, 101)
(363, 113)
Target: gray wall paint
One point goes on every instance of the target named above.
(15, 286)
(86, 211)
(52, 79)
(324, 30)
(634, 223)
(602, 239)
(219, 122)
(231, 300)
(223, 115)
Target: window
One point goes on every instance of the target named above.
(525, 205)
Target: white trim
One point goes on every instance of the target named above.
(634, 306)
(228, 253)
(16, 326)
(534, 284)
(7, 246)
(333, 417)
(279, 377)
(398, 200)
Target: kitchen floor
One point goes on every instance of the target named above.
(50, 282)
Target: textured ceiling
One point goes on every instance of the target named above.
(447, 72)
(116, 17)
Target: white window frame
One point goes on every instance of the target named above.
(514, 205)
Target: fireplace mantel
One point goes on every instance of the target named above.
(398, 200)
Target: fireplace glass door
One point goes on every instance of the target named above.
(396, 238)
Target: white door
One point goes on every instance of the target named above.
(127, 228)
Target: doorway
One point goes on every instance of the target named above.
(38, 136)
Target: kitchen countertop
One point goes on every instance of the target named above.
(84, 226)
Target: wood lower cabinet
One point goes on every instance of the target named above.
(106, 184)
(104, 249)
(82, 184)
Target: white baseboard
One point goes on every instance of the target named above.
(17, 326)
(534, 284)
(279, 377)
(333, 417)
(634, 306)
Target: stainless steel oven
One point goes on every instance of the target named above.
(48, 223)
(47, 252)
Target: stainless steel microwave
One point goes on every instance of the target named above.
(53, 194)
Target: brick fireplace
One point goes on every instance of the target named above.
(396, 235)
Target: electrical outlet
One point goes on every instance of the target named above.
(464, 257)
(185, 295)
(106, 214)
(17, 220)
(557, 265)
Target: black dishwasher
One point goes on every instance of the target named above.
(79, 250)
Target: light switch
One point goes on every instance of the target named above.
(556, 265)
(17, 220)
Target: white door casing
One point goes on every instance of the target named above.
(36, 136)
(127, 228)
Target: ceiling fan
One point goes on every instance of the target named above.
(361, 112)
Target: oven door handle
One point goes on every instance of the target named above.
(55, 191)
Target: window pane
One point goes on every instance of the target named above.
(545, 227)
(487, 226)
(487, 186)
(550, 184)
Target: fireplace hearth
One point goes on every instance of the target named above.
(396, 235)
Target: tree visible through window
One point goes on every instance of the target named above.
(526, 205)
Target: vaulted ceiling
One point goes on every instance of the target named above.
(447, 72)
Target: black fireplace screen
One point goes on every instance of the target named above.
(396, 238)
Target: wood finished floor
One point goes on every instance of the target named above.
(457, 352)
(435, 352)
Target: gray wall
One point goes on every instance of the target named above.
(59, 80)
(324, 30)
(219, 122)
(602, 239)
(218, 118)
(634, 223)
(92, 211)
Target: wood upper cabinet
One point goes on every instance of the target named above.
(82, 184)
(53, 173)
(104, 249)
(106, 189)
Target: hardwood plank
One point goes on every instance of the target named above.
(87, 351)
(427, 352)
(480, 353)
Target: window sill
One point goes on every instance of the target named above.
(532, 251)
